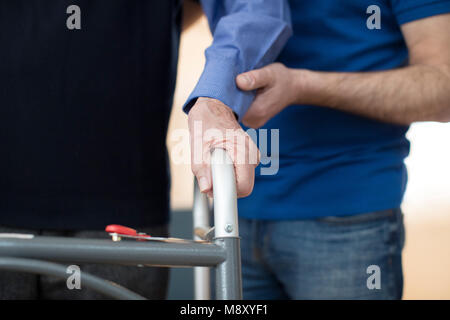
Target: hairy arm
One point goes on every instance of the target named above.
(418, 92)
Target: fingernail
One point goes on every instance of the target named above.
(203, 184)
(246, 79)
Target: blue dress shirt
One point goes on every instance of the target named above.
(248, 34)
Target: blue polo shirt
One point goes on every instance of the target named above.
(333, 163)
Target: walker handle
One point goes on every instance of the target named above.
(225, 200)
(224, 195)
(225, 214)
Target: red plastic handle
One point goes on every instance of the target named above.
(116, 228)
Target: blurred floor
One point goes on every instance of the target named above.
(427, 200)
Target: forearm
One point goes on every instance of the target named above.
(401, 96)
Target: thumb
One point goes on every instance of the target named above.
(253, 80)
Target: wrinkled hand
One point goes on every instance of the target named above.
(213, 125)
(276, 90)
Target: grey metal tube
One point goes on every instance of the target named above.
(107, 288)
(228, 273)
(200, 212)
(225, 199)
(155, 253)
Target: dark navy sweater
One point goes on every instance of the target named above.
(84, 112)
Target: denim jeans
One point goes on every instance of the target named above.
(352, 257)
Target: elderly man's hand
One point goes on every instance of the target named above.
(277, 87)
(213, 125)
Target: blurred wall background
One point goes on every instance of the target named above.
(427, 200)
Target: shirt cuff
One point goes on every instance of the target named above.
(218, 81)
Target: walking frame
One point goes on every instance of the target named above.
(216, 247)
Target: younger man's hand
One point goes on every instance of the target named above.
(276, 89)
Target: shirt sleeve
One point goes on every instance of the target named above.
(248, 34)
(410, 10)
